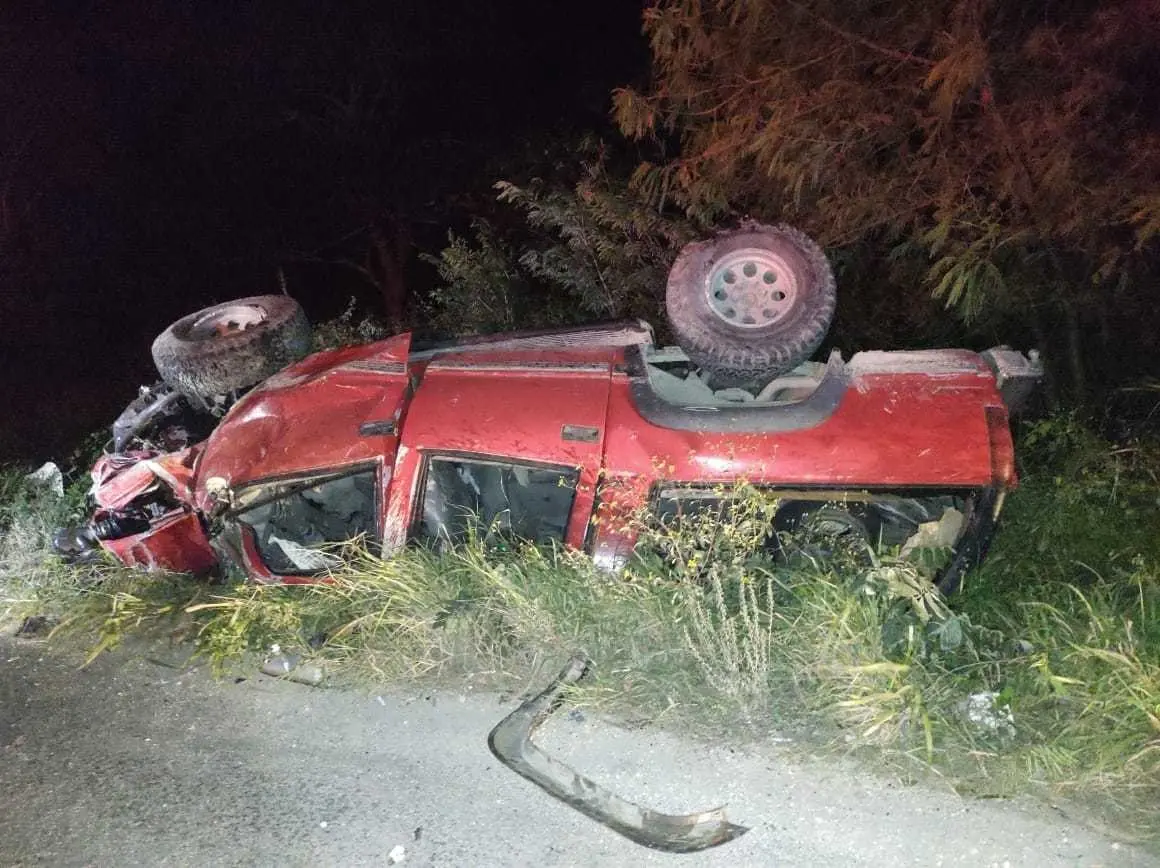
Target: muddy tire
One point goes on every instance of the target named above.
(232, 345)
(751, 303)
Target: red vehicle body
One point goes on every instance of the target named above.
(556, 436)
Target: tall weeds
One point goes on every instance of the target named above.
(1045, 672)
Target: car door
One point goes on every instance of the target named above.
(304, 461)
(501, 442)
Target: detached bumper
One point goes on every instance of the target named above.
(511, 742)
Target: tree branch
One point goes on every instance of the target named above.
(904, 56)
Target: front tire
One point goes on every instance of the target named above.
(232, 345)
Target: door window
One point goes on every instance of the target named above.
(296, 521)
(462, 496)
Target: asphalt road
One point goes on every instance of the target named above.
(131, 763)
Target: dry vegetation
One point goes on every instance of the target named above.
(1044, 674)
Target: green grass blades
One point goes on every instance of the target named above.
(1043, 674)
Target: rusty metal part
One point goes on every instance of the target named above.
(511, 742)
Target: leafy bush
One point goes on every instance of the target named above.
(592, 250)
(347, 328)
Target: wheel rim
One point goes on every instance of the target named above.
(751, 288)
(228, 320)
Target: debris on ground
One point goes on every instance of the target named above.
(291, 668)
(47, 479)
(511, 742)
(984, 711)
(941, 534)
(35, 627)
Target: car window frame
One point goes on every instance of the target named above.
(255, 564)
(414, 534)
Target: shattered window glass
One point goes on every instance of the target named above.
(493, 498)
(294, 525)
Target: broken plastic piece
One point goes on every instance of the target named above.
(511, 742)
(941, 534)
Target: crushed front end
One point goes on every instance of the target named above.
(144, 514)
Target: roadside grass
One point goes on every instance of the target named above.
(30, 578)
(1043, 674)
(1073, 589)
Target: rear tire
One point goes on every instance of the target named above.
(232, 345)
(751, 303)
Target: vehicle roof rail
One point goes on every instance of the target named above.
(621, 333)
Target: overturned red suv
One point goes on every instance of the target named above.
(254, 453)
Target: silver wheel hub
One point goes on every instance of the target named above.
(751, 288)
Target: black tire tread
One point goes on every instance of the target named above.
(225, 364)
(736, 356)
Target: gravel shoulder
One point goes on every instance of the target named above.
(132, 763)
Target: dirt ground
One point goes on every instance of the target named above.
(134, 763)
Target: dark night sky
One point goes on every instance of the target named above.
(158, 157)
